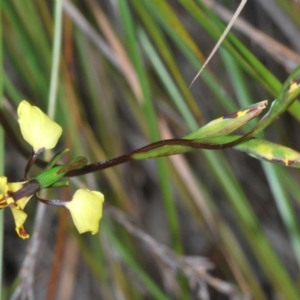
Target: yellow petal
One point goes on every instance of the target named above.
(19, 216)
(3, 185)
(22, 202)
(16, 207)
(3, 202)
(37, 128)
(15, 186)
(86, 210)
(3, 192)
(22, 232)
(9, 186)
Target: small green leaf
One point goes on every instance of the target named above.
(55, 159)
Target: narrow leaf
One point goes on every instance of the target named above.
(265, 150)
(228, 123)
(288, 94)
(199, 139)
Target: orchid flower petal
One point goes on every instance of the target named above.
(14, 187)
(3, 184)
(20, 218)
(16, 206)
(37, 128)
(86, 210)
(22, 232)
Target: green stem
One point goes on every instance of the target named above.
(55, 58)
(1, 148)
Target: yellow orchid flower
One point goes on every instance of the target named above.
(6, 199)
(37, 128)
(43, 133)
(86, 210)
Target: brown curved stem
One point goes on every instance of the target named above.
(94, 167)
(98, 166)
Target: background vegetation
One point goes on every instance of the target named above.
(206, 225)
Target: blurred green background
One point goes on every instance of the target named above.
(205, 225)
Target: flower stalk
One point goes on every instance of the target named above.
(86, 206)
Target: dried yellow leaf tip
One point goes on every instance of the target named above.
(37, 128)
(86, 210)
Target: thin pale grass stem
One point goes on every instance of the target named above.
(282, 54)
(227, 29)
(28, 266)
(194, 267)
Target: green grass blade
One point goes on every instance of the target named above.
(131, 261)
(162, 46)
(152, 123)
(167, 80)
(284, 207)
(168, 19)
(1, 152)
(55, 58)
